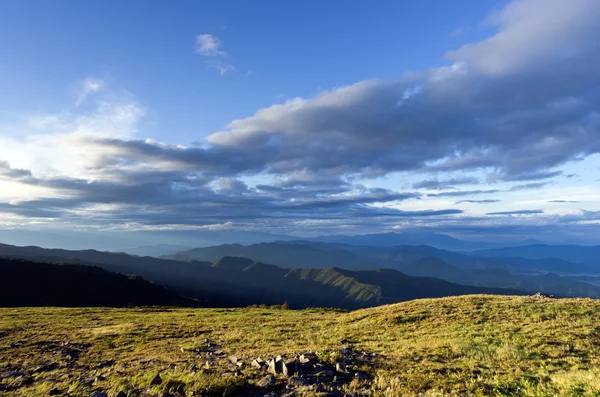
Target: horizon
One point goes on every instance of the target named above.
(204, 123)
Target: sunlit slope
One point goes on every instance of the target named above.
(481, 344)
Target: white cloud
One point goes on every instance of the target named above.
(222, 67)
(209, 45)
(88, 86)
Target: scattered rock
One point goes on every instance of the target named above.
(346, 351)
(105, 364)
(45, 368)
(268, 380)
(157, 380)
(11, 374)
(296, 381)
(233, 359)
(341, 368)
(258, 363)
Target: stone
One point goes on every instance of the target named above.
(346, 351)
(54, 392)
(11, 374)
(258, 363)
(121, 394)
(45, 368)
(104, 364)
(341, 368)
(98, 394)
(272, 367)
(306, 358)
(268, 380)
(296, 381)
(157, 380)
(361, 376)
(99, 378)
(233, 359)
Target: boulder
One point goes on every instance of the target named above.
(267, 381)
(157, 380)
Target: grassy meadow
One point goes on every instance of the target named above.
(467, 346)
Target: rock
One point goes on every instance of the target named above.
(104, 364)
(341, 368)
(266, 381)
(361, 376)
(296, 381)
(306, 358)
(258, 363)
(121, 394)
(233, 359)
(157, 380)
(11, 374)
(285, 370)
(98, 394)
(99, 378)
(346, 351)
(54, 392)
(45, 368)
(272, 367)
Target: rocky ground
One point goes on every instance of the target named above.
(336, 373)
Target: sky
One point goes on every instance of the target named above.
(478, 119)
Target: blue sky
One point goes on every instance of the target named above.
(280, 50)
(474, 118)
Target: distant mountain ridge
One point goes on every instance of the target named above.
(234, 281)
(532, 275)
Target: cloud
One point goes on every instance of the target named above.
(209, 45)
(564, 201)
(434, 184)
(514, 107)
(517, 212)
(222, 67)
(490, 201)
(88, 86)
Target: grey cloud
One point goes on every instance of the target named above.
(564, 201)
(463, 193)
(517, 212)
(478, 201)
(435, 184)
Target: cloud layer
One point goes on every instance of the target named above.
(506, 112)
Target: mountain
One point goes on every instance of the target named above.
(547, 283)
(519, 273)
(235, 281)
(156, 250)
(26, 283)
(287, 255)
(441, 241)
(589, 255)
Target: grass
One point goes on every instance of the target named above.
(465, 346)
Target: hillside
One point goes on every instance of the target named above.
(25, 283)
(478, 345)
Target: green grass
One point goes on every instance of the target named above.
(472, 345)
